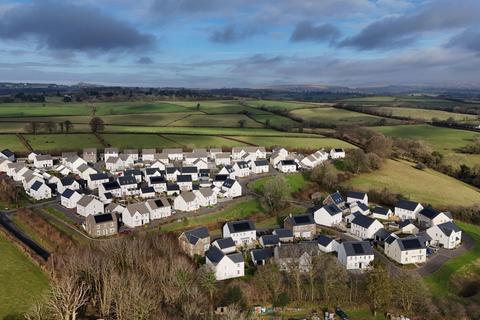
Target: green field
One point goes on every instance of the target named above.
(219, 106)
(63, 142)
(138, 141)
(12, 142)
(275, 120)
(21, 282)
(427, 114)
(295, 181)
(312, 142)
(289, 105)
(216, 120)
(427, 186)
(410, 101)
(339, 116)
(198, 141)
(444, 140)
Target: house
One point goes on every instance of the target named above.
(128, 185)
(185, 182)
(69, 198)
(257, 152)
(43, 161)
(96, 179)
(242, 232)
(261, 256)
(405, 250)
(114, 208)
(260, 166)
(219, 179)
(101, 225)
(39, 191)
(269, 240)
(337, 153)
(381, 235)
(229, 171)
(231, 188)
(327, 244)
(223, 159)
(225, 266)
(227, 245)
(174, 154)
(284, 235)
(287, 166)
(4, 164)
(132, 154)
(407, 227)
(214, 152)
(67, 183)
(354, 196)
(31, 157)
(206, 197)
(446, 234)
(114, 164)
(7, 154)
(89, 205)
(163, 157)
(382, 213)
(328, 215)
(302, 226)
(277, 156)
(297, 256)
(241, 169)
(159, 208)
(364, 227)
(90, 155)
(192, 157)
(136, 215)
(110, 152)
(111, 187)
(355, 255)
(428, 217)
(186, 201)
(171, 173)
(85, 171)
(406, 209)
(148, 154)
(157, 164)
(425, 238)
(359, 207)
(200, 164)
(195, 242)
(152, 172)
(158, 183)
(136, 173)
(191, 171)
(337, 199)
(173, 189)
(147, 192)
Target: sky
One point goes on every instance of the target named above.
(241, 43)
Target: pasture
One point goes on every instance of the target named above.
(312, 143)
(284, 105)
(62, 142)
(199, 141)
(426, 186)
(427, 114)
(138, 141)
(337, 116)
(12, 142)
(216, 120)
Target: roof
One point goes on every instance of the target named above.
(381, 210)
(357, 248)
(332, 209)
(337, 197)
(214, 254)
(68, 193)
(184, 178)
(157, 180)
(173, 151)
(448, 227)
(235, 257)
(261, 254)
(363, 221)
(173, 187)
(270, 239)
(324, 240)
(300, 220)
(36, 185)
(111, 150)
(111, 185)
(410, 243)
(189, 170)
(221, 177)
(391, 238)
(90, 150)
(43, 157)
(206, 192)
(132, 172)
(240, 226)
(356, 194)
(382, 234)
(407, 205)
(85, 201)
(130, 151)
(429, 212)
(103, 218)
(295, 250)
(127, 180)
(287, 162)
(8, 153)
(188, 196)
(362, 206)
(98, 176)
(259, 163)
(147, 190)
(242, 164)
(139, 207)
(67, 181)
(171, 170)
(338, 150)
(151, 171)
(158, 203)
(196, 234)
(283, 233)
(224, 243)
(405, 223)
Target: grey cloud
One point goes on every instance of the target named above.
(65, 26)
(307, 31)
(398, 31)
(231, 33)
(144, 60)
(468, 39)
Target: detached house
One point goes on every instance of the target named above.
(111, 187)
(261, 256)
(225, 244)
(406, 209)
(260, 166)
(69, 198)
(354, 196)
(128, 185)
(206, 197)
(231, 188)
(337, 153)
(110, 152)
(159, 208)
(355, 255)
(287, 166)
(242, 232)
(101, 225)
(186, 201)
(364, 227)
(382, 213)
(88, 205)
(327, 244)
(241, 169)
(447, 235)
(43, 161)
(302, 226)
(7, 154)
(67, 183)
(407, 227)
(185, 182)
(405, 250)
(158, 183)
(269, 240)
(225, 266)
(428, 217)
(96, 179)
(336, 199)
(195, 242)
(90, 155)
(148, 154)
(136, 215)
(174, 154)
(328, 215)
(223, 159)
(284, 235)
(39, 191)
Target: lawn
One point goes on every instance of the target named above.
(296, 181)
(313, 142)
(216, 120)
(21, 281)
(198, 141)
(439, 282)
(62, 142)
(339, 116)
(237, 211)
(12, 142)
(426, 186)
(138, 141)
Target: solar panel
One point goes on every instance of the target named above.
(241, 226)
(411, 244)
(159, 203)
(358, 248)
(302, 219)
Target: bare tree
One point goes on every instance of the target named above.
(97, 125)
(50, 126)
(32, 127)
(68, 126)
(68, 295)
(275, 192)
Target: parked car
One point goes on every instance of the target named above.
(341, 314)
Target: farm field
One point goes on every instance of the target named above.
(426, 186)
(289, 105)
(314, 142)
(219, 106)
(63, 142)
(138, 141)
(220, 120)
(339, 116)
(443, 140)
(21, 282)
(428, 114)
(199, 141)
(12, 142)
(413, 101)
(275, 120)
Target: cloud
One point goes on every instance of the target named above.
(398, 31)
(468, 39)
(231, 33)
(65, 26)
(144, 60)
(306, 31)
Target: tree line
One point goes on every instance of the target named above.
(96, 124)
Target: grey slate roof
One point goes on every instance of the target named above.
(126, 180)
(260, 163)
(337, 197)
(36, 185)
(410, 243)
(381, 210)
(405, 223)
(214, 254)
(68, 193)
(356, 194)
(229, 183)
(196, 234)
(301, 220)
(363, 221)
(429, 212)
(270, 239)
(98, 176)
(283, 233)
(332, 209)
(224, 243)
(407, 204)
(184, 178)
(111, 185)
(357, 248)
(235, 257)
(240, 226)
(324, 240)
(448, 227)
(261, 254)
(295, 250)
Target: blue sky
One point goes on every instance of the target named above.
(241, 43)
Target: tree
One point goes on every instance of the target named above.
(267, 123)
(68, 126)
(275, 191)
(198, 106)
(50, 126)
(8, 191)
(268, 280)
(380, 145)
(68, 295)
(407, 291)
(325, 175)
(62, 127)
(242, 122)
(357, 161)
(207, 281)
(97, 125)
(379, 288)
(32, 127)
